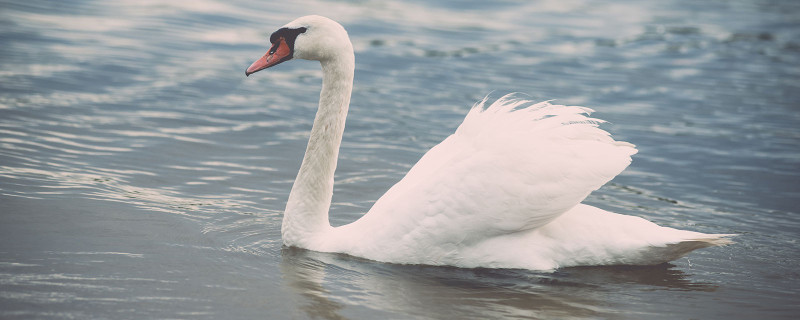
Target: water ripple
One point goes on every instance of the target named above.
(131, 143)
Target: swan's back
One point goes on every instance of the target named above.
(511, 167)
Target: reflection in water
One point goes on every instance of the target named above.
(663, 275)
(421, 291)
(304, 276)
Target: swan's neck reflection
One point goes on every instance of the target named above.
(305, 275)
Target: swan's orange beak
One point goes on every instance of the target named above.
(278, 53)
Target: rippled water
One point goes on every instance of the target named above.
(143, 176)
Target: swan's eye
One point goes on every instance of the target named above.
(275, 45)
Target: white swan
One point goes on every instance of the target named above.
(503, 191)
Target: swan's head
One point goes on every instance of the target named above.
(310, 37)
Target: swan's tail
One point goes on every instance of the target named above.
(672, 251)
(710, 240)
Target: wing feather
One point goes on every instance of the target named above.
(513, 166)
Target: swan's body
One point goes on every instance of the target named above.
(503, 191)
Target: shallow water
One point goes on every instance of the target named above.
(143, 176)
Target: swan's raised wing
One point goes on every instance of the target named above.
(510, 167)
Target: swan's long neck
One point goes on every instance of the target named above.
(306, 214)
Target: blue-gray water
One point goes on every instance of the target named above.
(143, 176)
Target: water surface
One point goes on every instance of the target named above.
(143, 176)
